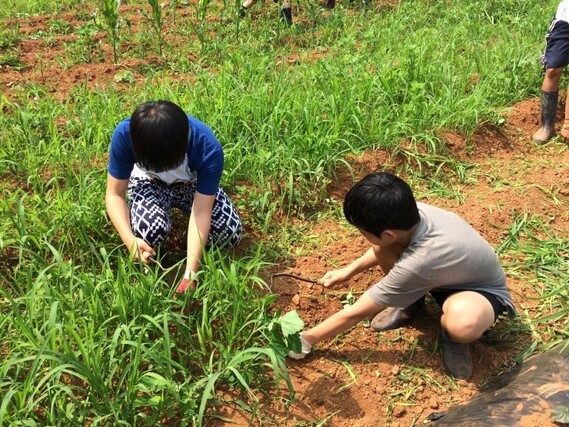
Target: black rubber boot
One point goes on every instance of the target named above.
(286, 15)
(393, 318)
(548, 114)
(330, 4)
(457, 359)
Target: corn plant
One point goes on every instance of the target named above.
(110, 10)
(203, 6)
(157, 22)
(99, 323)
(174, 4)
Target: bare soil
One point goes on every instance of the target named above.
(364, 378)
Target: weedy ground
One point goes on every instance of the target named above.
(442, 94)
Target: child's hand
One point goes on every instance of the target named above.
(189, 281)
(141, 251)
(183, 286)
(334, 277)
(305, 350)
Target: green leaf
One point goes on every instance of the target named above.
(293, 343)
(291, 323)
(560, 414)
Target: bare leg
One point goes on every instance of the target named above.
(551, 79)
(466, 315)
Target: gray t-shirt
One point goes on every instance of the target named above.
(445, 253)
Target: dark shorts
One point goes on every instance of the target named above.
(556, 53)
(500, 310)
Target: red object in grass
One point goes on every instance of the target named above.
(184, 284)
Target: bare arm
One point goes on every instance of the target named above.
(343, 320)
(198, 229)
(366, 261)
(117, 209)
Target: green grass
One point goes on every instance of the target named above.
(87, 336)
(98, 341)
(540, 255)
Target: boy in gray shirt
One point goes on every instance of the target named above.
(421, 249)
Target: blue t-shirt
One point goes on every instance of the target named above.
(203, 162)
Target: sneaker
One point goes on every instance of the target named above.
(393, 317)
(457, 359)
(306, 348)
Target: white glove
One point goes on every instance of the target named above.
(306, 348)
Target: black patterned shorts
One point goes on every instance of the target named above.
(150, 202)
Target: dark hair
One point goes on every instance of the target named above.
(381, 201)
(159, 131)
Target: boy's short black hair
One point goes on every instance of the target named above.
(159, 131)
(379, 202)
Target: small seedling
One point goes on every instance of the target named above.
(348, 300)
(125, 76)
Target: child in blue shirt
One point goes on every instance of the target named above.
(161, 158)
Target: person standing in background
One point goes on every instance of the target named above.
(554, 59)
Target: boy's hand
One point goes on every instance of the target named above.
(334, 277)
(305, 350)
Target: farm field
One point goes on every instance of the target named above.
(444, 95)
